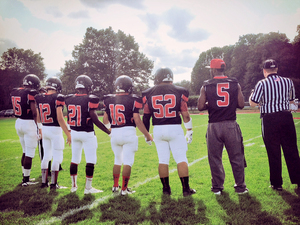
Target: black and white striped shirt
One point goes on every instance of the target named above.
(273, 94)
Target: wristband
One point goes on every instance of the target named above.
(107, 125)
(39, 125)
(189, 124)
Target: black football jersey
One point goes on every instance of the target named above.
(78, 107)
(47, 104)
(222, 98)
(120, 109)
(21, 98)
(165, 103)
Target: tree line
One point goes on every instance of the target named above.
(104, 55)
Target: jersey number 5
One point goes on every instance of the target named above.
(221, 91)
(164, 110)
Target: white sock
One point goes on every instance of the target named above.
(88, 183)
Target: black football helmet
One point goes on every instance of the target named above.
(163, 74)
(32, 81)
(83, 81)
(124, 84)
(54, 83)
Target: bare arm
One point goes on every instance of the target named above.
(34, 111)
(252, 104)
(62, 123)
(97, 122)
(105, 118)
(241, 101)
(141, 126)
(202, 100)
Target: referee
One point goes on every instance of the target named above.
(274, 95)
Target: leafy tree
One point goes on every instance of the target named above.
(103, 56)
(200, 73)
(14, 65)
(272, 45)
(186, 84)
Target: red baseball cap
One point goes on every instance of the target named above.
(217, 64)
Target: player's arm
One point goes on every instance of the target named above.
(187, 121)
(106, 121)
(38, 121)
(252, 103)
(141, 126)
(62, 123)
(202, 105)
(97, 122)
(146, 117)
(241, 102)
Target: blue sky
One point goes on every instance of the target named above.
(171, 33)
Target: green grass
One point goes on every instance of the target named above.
(32, 205)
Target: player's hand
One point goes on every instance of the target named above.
(189, 136)
(39, 135)
(149, 140)
(69, 139)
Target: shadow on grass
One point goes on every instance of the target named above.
(32, 200)
(181, 211)
(248, 211)
(127, 210)
(294, 201)
(72, 202)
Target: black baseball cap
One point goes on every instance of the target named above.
(270, 64)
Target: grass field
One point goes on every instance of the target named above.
(262, 205)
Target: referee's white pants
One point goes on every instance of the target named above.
(27, 132)
(87, 141)
(53, 144)
(124, 144)
(170, 138)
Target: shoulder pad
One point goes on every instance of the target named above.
(33, 92)
(94, 98)
(60, 97)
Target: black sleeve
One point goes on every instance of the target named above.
(146, 121)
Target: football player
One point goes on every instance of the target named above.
(82, 116)
(122, 115)
(50, 109)
(26, 125)
(221, 96)
(165, 103)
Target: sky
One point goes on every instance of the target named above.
(171, 33)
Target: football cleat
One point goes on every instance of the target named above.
(277, 188)
(188, 192)
(44, 185)
(218, 192)
(92, 191)
(127, 191)
(167, 191)
(74, 189)
(115, 189)
(28, 183)
(244, 192)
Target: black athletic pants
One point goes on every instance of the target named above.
(278, 131)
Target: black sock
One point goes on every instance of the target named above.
(165, 182)
(185, 183)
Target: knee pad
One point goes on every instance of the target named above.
(73, 169)
(89, 169)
